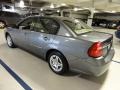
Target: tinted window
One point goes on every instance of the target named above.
(50, 25)
(7, 6)
(37, 26)
(16, 15)
(26, 23)
(10, 14)
(1, 13)
(7, 14)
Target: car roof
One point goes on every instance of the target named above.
(54, 17)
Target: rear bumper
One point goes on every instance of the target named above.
(99, 70)
(95, 67)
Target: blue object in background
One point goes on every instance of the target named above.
(117, 34)
(15, 76)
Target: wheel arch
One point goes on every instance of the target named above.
(55, 50)
(50, 51)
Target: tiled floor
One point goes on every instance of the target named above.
(36, 73)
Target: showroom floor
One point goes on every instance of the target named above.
(35, 72)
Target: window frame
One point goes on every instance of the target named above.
(19, 24)
(39, 19)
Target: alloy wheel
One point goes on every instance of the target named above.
(9, 41)
(56, 63)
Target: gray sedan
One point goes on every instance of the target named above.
(66, 44)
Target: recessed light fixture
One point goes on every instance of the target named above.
(41, 9)
(21, 4)
(63, 4)
(52, 5)
(58, 11)
(75, 9)
(113, 11)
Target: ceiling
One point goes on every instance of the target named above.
(98, 4)
(106, 5)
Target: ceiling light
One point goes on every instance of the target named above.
(86, 8)
(95, 11)
(52, 6)
(63, 4)
(21, 4)
(75, 9)
(113, 11)
(41, 9)
(58, 11)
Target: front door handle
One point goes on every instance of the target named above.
(45, 38)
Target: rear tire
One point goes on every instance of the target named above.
(58, 63)
(10, 41)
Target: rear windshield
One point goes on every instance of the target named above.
(78, 26)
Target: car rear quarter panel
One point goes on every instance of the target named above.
(73, 49)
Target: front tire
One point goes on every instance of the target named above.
(58, 63)
(10, 41)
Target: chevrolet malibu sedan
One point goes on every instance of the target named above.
(65, 43)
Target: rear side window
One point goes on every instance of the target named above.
(50, 25)
(37, 26)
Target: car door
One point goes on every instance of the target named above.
(40, 36)
(20, 31)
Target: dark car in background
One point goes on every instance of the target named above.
(8, 18)
(117, 33)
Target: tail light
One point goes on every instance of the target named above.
(95, 50)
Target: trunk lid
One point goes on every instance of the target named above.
(94, 36)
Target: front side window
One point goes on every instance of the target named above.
(26, 24)
(77, 26)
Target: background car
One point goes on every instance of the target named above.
(8, 18)
(67, 44)
(117, 33)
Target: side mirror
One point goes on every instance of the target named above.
(21, 27)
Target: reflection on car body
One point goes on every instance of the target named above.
(67, 44)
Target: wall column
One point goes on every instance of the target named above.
(90, 18)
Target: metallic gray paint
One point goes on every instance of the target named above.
(73, 47)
